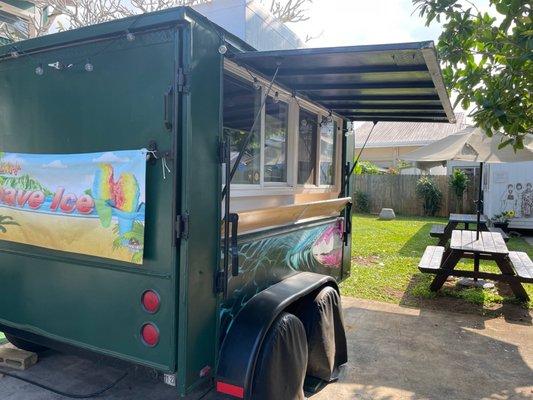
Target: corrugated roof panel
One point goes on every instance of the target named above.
(388, 134)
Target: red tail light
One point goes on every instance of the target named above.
(150, 335)
(232, 390)
(151, 301)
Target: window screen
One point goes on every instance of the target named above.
(241, 104)
(307, 140)
(327, 153)
(276, 132)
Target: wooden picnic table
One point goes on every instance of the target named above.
(467, 219)
(444, 232)
(515, 267)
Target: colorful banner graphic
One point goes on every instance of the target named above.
(80, 203)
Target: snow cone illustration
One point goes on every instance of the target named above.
(120, 198)
(103, 183)
(126, 199)
(327, 249)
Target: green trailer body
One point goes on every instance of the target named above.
(162, 91)
(93, 303)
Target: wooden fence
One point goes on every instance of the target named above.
(399, 193)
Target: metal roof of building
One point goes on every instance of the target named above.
(398, 134)
(389, 82)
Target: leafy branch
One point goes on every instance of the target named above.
(488, 61)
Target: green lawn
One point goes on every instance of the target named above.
(385, 259)
(2, 338)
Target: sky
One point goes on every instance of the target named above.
(355, 22)
(358, 22)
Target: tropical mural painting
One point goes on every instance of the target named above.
(92, 203)
(264, 261)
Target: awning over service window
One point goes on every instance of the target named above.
(389, 82)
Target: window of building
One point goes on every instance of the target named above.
(307, 146)
(241, 105)
(328, 155)
(276, 135)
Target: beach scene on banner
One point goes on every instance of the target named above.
(92, 203)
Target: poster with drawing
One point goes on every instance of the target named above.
(518, 197)
(92, 203)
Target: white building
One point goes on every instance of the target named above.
(389, 141)
(251, 22)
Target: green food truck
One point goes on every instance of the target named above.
(171, 197)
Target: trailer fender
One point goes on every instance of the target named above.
(241, 346)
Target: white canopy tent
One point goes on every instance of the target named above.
(470, 144)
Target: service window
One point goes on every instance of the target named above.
(307, 146)
(241, 105)
(328, 155)
(276, 135)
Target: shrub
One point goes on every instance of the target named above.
(428, 191)
(367, 168)
(362, 202)
(459, 182)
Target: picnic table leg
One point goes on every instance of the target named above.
(450, 260)
(504, 263)
(450, 226)
(476, 266)
(467, 226)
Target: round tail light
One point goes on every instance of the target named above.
(151, 301)
(150, 335)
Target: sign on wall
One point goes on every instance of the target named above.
(91, 203)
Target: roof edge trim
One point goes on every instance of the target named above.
(430, 56)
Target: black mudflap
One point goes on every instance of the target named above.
(326, 337)
(281, 365)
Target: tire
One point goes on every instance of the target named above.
(282, 361)
(326, 337)
(25, 345)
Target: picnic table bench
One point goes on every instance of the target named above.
(515, 267)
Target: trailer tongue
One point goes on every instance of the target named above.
(115, 235)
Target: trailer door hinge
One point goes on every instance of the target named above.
(182, 226)
(220, 281)
(182, 81)
(222, 151)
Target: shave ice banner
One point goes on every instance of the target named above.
(89, 203)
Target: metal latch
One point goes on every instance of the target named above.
(182, 226)
(234, 220)
(347, 222)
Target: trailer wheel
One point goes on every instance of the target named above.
(282, 360)
(24, 344)
(326, 337)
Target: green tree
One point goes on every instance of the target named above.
(459, 182)
(488, 61)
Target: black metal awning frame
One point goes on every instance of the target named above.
(393, 82)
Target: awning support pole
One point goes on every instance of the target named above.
(349, 174)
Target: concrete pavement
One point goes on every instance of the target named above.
(395, 353)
